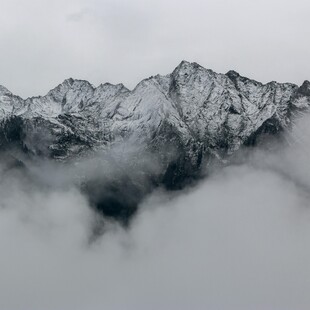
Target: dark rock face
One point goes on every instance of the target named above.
(117, 199)
(12, 134)
(304, 89)
(186, 119)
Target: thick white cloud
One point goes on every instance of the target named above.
(43, 42)
(240, 240)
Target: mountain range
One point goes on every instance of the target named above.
(185, 119)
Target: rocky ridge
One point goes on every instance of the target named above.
(186, 118)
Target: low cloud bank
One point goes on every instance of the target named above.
(239, 240)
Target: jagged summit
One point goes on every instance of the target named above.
(193, 109)
(4, 91)
(71, 83)
(304, 89)
(233, 74)
(108, 85)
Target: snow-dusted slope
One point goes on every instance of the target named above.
(194, 111)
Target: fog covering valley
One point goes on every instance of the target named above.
(154, 155)
(237, 239)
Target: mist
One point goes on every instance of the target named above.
(237, 240)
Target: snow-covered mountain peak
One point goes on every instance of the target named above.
(185, 68)
(4, 91)
(304, 89)
(232, 74)
(194, 109)
(109, 87)
(70, 85)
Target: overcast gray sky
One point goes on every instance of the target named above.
(43, 42)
